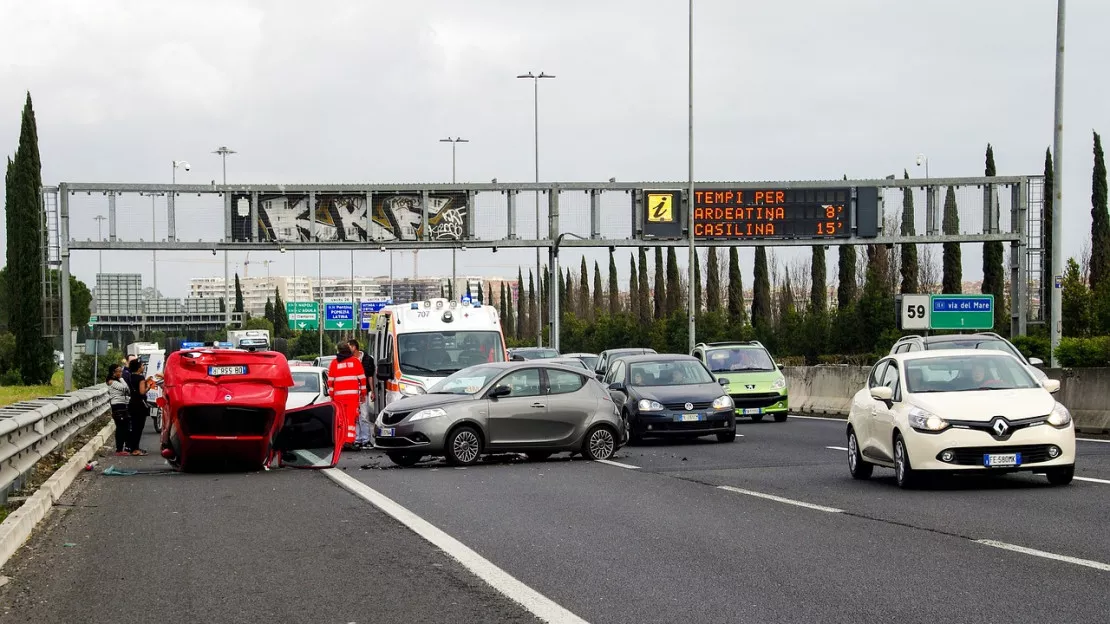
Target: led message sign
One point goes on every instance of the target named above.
(772, 213)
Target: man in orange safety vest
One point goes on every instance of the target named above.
(347, 385)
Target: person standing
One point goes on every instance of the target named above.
(136, 406)
(347, 383)
(362, 433)
(119, 396)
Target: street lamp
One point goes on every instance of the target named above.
(536, 107)
(553, 287)
(692, 259)
(224, 151)
(455, 141)
(922, 159)
(1056, 303)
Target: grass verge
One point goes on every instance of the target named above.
(15, 394)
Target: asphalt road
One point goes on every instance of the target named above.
(655, 537)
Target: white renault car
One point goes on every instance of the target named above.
(310, 387)
(958, 411)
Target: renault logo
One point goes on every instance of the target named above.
(1000, 427)
(689, 406)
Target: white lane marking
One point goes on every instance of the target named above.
(1047, 555)
(825, 418)
(539, 605)
(788, 501)
(837, 448)
(1093, 440)
(610, 462)
(1092, 480)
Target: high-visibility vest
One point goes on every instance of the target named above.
(347, 383)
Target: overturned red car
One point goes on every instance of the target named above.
(226, 408)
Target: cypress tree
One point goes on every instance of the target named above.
(736, 310)
(697, 282)
(846, 277)
(442, 291)
(545, 301)
(818, 276)
(522, 306)
(1075, 303)
(712, 282)
(660, 298)
(909, 268)
(481, 295)
(1100, 224)
(761, 291)
(238, 295)
(468, 294)
(501, 303)
(584, 309)
(599, 294)
(674, 283)
(633, 289)
(646, 312)
(281, 316)
(950, 225)
(877, 300)
(531, 327)
(1047, 275)
(994, 281)
(510, 310)
(614, 287)
(268, 314)
(565, 296)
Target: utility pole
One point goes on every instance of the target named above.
(1056, 325)
(536, 115)
(692, 287)
(224, 151)
(99, 270)
(454, 142)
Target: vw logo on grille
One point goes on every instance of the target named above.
(689, 406)
(1000, 427)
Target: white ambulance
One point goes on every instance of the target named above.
(417, 344)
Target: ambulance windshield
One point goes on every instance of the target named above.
(438, 354)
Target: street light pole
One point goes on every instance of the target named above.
(1056, 321)
(692, 258)
(100, 254)
(224, 151)
(455, 141)
(536, 115)
(173, 178)
(99, 270)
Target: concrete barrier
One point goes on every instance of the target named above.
(828, 391)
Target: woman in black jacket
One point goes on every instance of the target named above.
(136, 407)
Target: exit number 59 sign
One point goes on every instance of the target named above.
(915, 311)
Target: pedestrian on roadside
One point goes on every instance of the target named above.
(366, 407)
(119, 395)
(347, 383)
(136, 406)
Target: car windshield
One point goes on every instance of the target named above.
(467, 381)
(668, 373)
(438, 354)
(987, 344)
(589, 360)
(306, 381)
(736, 359)
(537, 354)
(573, 362)
(966, 374)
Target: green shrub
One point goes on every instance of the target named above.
(11, 378)
(1084, 352)
(1033, 346)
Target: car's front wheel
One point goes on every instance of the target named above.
(858, 468)
(1061, 476)
(903, 472)
(464, 447)
(781, 417)
(727, 436)
(600, 443)
(401, 458)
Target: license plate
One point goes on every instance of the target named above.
(217, 371)
(385, 433)
(1002, 459)
(752, 410)
(690, 418)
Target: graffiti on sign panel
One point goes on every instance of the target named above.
(400, 217)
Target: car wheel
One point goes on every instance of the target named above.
(464, 447)
(757, 417)
(781, 417)
(728, 436)
(402, 458)
(856, 466)
(1060, 476)
(600, 443)
(903, 471)
(634, 437)
(538, 455)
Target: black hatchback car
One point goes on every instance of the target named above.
(670, 395)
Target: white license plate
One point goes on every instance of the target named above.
(385, 433)
(690, 417)
(1002, 459)
(217, 371)
(752, 410)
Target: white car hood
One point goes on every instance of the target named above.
(301, 399)
(982, 405)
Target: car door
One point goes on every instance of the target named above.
(615, 375)
(883, 420)
(570, 405)
(310, 437)
(865, 426)
(515, 418)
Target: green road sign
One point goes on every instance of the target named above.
(961, 312)
(303, 315)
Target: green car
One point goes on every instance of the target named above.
(755, 383)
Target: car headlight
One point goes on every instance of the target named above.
(435, 412)
(723, 402)
(922, 420)
(779, 383)
(410, 388)
(1060, 416)
(649, 406)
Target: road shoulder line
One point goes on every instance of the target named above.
(1092, 480)
(609, 462)
(780, 499)
(536, 603)
(1044, 554)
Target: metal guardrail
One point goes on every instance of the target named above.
(31, 430)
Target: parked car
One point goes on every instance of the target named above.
(959, 411)
(572, 362)
(978, 340)
(535, 407)
(532, 353)
(604, 359)
(589, 359)
(669, 395)
(310, 386)
(323, 362)
(755, 382)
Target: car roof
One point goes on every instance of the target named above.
(659, 357)
(636, 350)
(575, 355)
(966, 353)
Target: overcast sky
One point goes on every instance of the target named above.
(341, 91)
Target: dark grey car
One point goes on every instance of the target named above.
(535, 407)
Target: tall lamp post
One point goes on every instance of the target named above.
(224, 151)
(930, 213)
(690, 300)
(454, 142)
(99, 269)
(535, 78)
(1055, 324)
(177, 163)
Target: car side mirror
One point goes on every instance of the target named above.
(1052, 385)
(722, 381)
(384, 369)
(778, 365)
(882, 393)
(1037, 362)
(500, 391)
(616, 386)
(516, 358)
